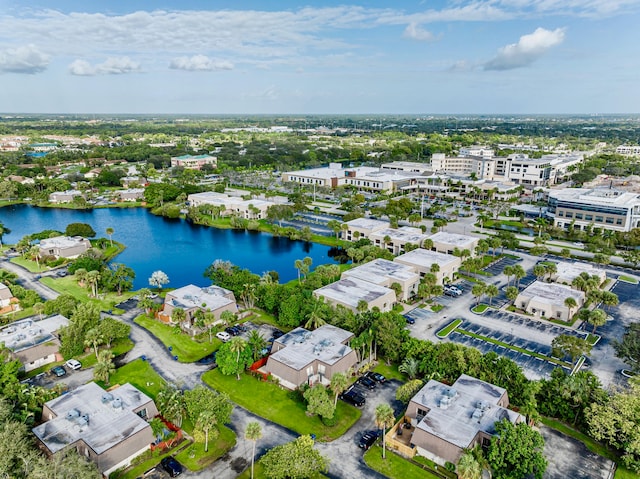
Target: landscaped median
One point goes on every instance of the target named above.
(272, 402)
(449, 328)
(480, 308)
(180, 344)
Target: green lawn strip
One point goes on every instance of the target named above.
(271, 402)
(390, 372)
(68, 285)
(592, 445)
(262, 317)
(183, 346)
(628, 279)
(436, 308)
(29, 265)
(593, 339)
(148, 460)
(480, 308)
(87, 359)
(194, 456)
(395, 466)
(140, 374)
(515, 348)
(449, 328)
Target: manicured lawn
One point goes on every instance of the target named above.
(628, 279)
(481, 308)
(390, 372)
(437, 307)
(68, 284)
(187, 349)
(29, 265)
(276, 404)
(261, 317)
(394, 466)
(449, 328)
(141, 375)
(593, 339)
(592, 445)
(195, 458)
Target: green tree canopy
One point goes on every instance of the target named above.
(516, 452)
(80, 229)
(294, 460)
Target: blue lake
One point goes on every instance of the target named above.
(177, 247)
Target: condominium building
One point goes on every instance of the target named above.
(603, 208)
(191, 162)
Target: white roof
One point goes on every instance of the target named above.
(62, 242)
(425, 258)
(602, 196)
(368, 224)
(405, 234)
(552, 293)
(351, 291)
(454, 239)
(192, 296)
(27, 333)
(380, 270)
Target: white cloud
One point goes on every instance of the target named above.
(461, 66)
(111, 66)
(416, 32)
(27, 59)
(200, 63)
(528, 49)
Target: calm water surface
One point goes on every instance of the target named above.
(178, 248)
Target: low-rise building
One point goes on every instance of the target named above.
(363, 228)
(131, 194)
(64, 196)
(566, 272)
(450, 419)
(310, 357)
(350, 291)
(7, 300)
(604, 208)
(232, 205)
(422, 260)
(547, 300)
(385, 273)
(192, 162)
(408, 166)
(445, 242)
(110, 428)
(395, 239)
(64, 246)
(192, 298)
(34, 343)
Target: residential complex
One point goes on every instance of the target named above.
(310, 357)
(386, 273)
(110, 428)
(604, 208)
(64, 196)
(450, 419)
(192, 298)
(351, 291)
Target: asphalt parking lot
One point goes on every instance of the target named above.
(531, 324)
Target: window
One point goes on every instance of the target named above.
(578, 216)
(609, 220)
(619, 221)
(142, 413)
(420, 414)
(598, 219)
(588, 217)
(569, 214)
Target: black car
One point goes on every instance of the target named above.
(232, 330)
(353, 397)
(173, 467)
(377, 377)
(209, 359)
(367, 440)
(277, 333)
(367, 382)
(410, 320)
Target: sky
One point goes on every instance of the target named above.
(320, 57)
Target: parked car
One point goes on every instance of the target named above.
(452, 291)
(377, 377)
(61, 273)
(209, 359)
(232, 330)
(368, 439)
(410, 320)
(59, 371)
(223, 336)
(173, 467)
(367, 382)
(353, 397)
(277, 333)
(73, 364)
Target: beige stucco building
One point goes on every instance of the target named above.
(363, 228)
(64, 246)
(192, 298)
(385, 273)
(110, 428)
(447, 420)
(421, 260)
(547, 300)
(396, 239)
(349, 291)
(566, 272)
(444, 242)
(310, 357)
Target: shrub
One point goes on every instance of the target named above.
(330, 421)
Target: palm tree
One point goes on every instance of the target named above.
(92, 339)
(298, 265)
(110, 232)
(518, 273)
(539, 271)
(92, 279)
(491, 292)
(253, 433)
(316, 316)
(170, 402)
(178, 315)
(34, 254)
(511, 293)
(384, 419)
(3, 231)
(237, 345)
(570, 303)
(478, 290)
(597, 317)
(7, 277)
(468, 467)
(339, 382)
(256, 343)
(410, 367)
(38, 308)
(508, 272)
(104, 368)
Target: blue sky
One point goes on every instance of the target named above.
(225, 57)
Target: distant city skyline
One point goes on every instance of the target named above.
(251, 57)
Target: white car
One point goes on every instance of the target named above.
(73, 364)
(578, 244)
(223, 336)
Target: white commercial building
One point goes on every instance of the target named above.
(422, 260)
(231, 205)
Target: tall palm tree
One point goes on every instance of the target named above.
(110, 232)
(34, 254)
(518, 273)
(257, 343)
(104, 368)
(339, 382)
(92, 279)
(570, 303)
(491, 292)
(237, 345)
(253, 433)
(384, 419)
(170, 402)
(508, 272)
(597, 317)
(92, 339)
